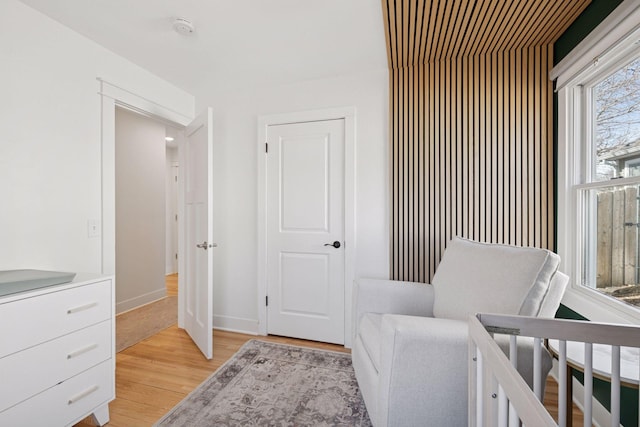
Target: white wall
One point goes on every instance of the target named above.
(235, 176)
(50, 183)
(140, 210)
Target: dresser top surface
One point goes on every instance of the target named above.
(14, 282)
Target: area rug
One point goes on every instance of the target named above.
(135, 325)
(268, 384)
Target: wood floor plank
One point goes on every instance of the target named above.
(140, 393)
(171, 281)
(551, 403)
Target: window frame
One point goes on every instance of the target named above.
(575, 77)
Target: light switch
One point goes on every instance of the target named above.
(93, 228)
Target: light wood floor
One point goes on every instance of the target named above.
(172, 285)
(551, 403)
(157, 373)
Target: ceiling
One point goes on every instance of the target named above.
(460, 28)
(237, 43)
(249, 43)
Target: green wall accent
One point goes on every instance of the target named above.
(582, 26)
(565, 312)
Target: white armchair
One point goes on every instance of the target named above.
(410, 344)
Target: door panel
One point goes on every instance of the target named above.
(198, 277)
(305, 284)
(305, 179)
(305, 214)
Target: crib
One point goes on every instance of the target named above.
(499, 396)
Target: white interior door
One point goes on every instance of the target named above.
(197, 278)
(305, 230)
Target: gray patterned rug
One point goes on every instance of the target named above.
(267, 384)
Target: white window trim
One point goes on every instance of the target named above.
(610, 41)
(612, 31)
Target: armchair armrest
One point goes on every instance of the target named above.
(425, 357)
(392, 297)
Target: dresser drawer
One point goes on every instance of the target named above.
(65, 403)
(38, 368)
(31, 321)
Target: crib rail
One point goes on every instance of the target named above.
(499, 396)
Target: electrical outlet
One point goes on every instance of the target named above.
(93, 228)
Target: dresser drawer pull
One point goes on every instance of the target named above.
(81, 308)
(81, 351)
(85, 393)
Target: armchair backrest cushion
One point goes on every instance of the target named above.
(477, 277)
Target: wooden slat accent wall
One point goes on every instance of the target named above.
(471, 156)
(471, 110)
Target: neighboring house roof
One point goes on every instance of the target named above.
(620, 152)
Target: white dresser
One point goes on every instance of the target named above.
(57, 361)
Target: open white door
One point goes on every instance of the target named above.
(197, 278)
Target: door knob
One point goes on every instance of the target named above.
(204, 245)
(335, 244)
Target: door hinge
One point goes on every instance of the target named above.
(176, 217)
(176, 178)
(176, 256)
(266, 300)
(266, 147)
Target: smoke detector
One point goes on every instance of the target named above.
(183, 26)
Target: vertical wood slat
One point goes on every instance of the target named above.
(617, 238)
(395, 224)
(604, 249)
(630, 234)
(471, 125)
(519, 122)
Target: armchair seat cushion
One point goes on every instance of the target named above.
(477, 277)
(370, 336)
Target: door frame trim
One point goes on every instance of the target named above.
(348, 114)
(112, 96)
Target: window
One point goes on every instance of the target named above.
(599, 173)
(610, 110)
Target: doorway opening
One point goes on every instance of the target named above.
(195, 284)
(146, 195)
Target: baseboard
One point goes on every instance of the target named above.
(235, 324)
(140, 300)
